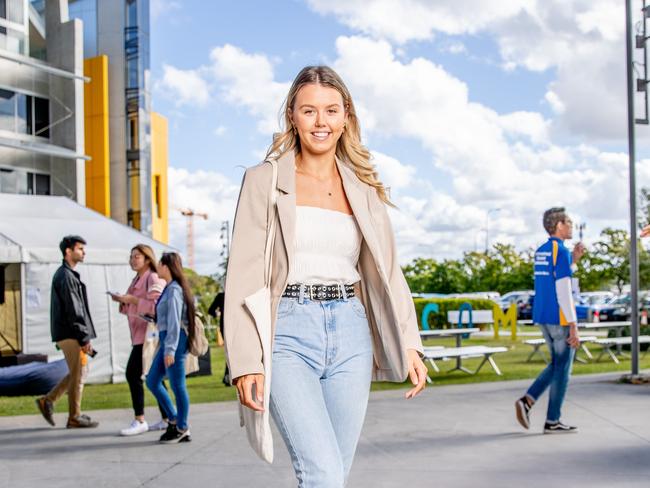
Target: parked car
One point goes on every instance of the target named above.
(523, 299)
(618, 309)
(525, 308)
(589, 302)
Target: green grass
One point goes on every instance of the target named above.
(206, 389)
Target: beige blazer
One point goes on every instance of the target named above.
(384, 292)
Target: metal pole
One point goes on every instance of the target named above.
(634, 264)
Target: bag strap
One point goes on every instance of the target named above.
(272, 219)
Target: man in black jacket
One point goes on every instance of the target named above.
(72, 330)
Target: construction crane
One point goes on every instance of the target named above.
(190, 214)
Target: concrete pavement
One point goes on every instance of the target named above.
(453, 436)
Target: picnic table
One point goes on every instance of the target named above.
(607, 343)
(617, 326)
(433, 353)
(458, 334)
(538, 343)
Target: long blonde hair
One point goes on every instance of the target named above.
(348, 147)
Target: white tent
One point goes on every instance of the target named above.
(31, 228)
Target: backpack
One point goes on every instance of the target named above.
(198, 346)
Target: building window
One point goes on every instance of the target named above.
(24, 114)
(16, 180)
(13, 11)
(131, 13)
(23, 107)
(3, 15)
(7, 109)
(133, 132)
(38, 184)
(156, 196)
(8, 181)
(41, 117)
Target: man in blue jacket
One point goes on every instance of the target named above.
(72, 329)
(555, 314)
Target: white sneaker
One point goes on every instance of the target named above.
(136, 428)
(160, 425)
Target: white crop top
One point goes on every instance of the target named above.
(327, 247)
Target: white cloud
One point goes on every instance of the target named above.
(394, 174)
(247, 80)
(408, 20)
(220, 130)
(494, 160)
(185, 87)
(557, 105)
(583, 40)
(455, 47)
(163, 7)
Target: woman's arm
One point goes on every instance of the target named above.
(404, 306)
(173, 319)
(399, 287)
(245, 274)
(147, 304)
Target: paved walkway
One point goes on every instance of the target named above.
(454, 436)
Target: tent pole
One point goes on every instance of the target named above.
(23, 308)
(110, 326)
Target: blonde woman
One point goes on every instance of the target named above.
(342, 311)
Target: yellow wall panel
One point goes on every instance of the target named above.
(159, 164)
(98, 196)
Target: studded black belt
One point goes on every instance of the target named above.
(319, 292)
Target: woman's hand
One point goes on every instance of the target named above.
(245, 385)
(129, 299)
(417, 373)
(169, 360)
(645, 232)
(124, 299)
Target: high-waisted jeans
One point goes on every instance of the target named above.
(176, 375)
(322, 369)
(557, 373)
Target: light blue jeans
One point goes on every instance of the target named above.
(557, 373)
(322, 369)
(176, 375)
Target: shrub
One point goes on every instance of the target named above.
(439, 320)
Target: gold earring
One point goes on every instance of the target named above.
(294, 130)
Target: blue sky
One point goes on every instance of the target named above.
(518, 106)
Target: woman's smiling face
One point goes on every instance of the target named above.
(319, 116)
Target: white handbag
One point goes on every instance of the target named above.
(258, 425)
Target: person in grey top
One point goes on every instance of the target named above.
(175, 319)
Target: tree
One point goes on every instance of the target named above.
(607, 263)
(503, 269)
(425, 275)
(204, 289)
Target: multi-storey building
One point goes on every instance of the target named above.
(41, 101)
(75, 108)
